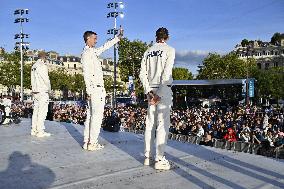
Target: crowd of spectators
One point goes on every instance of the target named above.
(254, 125)
(231, 124)
(70, 113)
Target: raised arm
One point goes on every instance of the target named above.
(107, 45)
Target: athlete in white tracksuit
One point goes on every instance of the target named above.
(40, 89)
(7, 103)
(93, 76)
(156, 76)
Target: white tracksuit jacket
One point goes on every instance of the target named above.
(156, 75)
(40, 87)
(93, 76)
(156, 66)
(92, 68)
(39, 77)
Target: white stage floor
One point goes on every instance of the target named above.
(28, 162)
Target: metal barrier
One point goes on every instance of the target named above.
(220, 143)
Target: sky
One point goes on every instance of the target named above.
(196, 27)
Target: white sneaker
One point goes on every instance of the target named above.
(162, 164)
(6, 122)
(33, 133)
(149, 161)
(43, 134)
(96, 146)
(85, 146)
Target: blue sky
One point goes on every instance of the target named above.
(196, 26)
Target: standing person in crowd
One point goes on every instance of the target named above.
(93, 76)
(156, 77)
(7, 103)
(40, 90)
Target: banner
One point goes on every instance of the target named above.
(130, 84)
(251, 87)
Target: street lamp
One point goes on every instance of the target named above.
(114, 14)
(21, 45)
(246, 51)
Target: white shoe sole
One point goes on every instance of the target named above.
(94, 149)
(162, 167)
(100, 147)
(43, 135)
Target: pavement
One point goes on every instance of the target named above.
(27, 162)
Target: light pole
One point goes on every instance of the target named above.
(246, 51)
(22, 45)
(114, 14)
(247, 75)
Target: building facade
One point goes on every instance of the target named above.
(265, 54)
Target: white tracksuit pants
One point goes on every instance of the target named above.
(7, 114)
(158, 123)
(95, 114)
(41, 101)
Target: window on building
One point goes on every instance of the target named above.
(75, 66)
(266, 66)
(259, 65)
(276, 64)
(68, 65)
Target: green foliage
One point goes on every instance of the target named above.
(77, 83)
(10, 74)
(108, 82)
(244, 42)
(276, 38)
(27, 76)
(182, 74)
(270, 83)
(226, 67)
(130, 56)
(59, 80)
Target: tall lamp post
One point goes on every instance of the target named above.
(247, 76)
(22, 45)
(114, 14)
(246, 52)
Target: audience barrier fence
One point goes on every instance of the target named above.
(238, 146)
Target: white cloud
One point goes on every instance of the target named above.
(190, 59)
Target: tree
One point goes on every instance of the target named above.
(78, 83)
(108, 82)
(226, 67)
(182, 74)
(130, 56)
(244, 43)
(276, 38)
(60, 80)
(10, 74)
(270, 83)
(27, 76)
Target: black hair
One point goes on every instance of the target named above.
(162, 33)
(88, 34)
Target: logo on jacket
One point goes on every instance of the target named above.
(155, 53)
